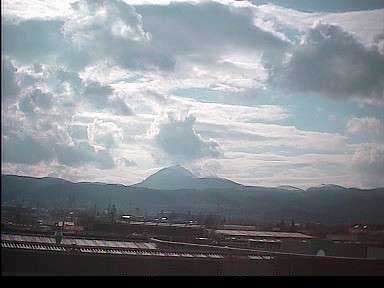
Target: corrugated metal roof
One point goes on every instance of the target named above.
(104, 250)
(263, 234)
(79, 242)
(258, 257)
(30, 246)
(215, 256)
(186, 255)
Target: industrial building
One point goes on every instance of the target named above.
(297, 243)
(41, 255)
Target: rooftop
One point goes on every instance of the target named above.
(79, 242)
(263, 234)
(106, 247)
(165, 224)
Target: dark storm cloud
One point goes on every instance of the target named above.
(203, 26)
(332, 62)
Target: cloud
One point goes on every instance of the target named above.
(204, 26)
(9, 86)
(81, 153)
(364, 24)
(93, 20)
(206, 168)
(366, 125)
(225, 113)
(379, 42)
(101, 97)
(98, 92)
(269, 169)
(26, 149)
(26, 106)
(325, 6)
(112, 30)
(32, 149)
(93, 30)
(41, 99)
(368, 161)
(261, 137)
(79, 132)
(227, 72)
(44, 87)
(332, 62)
(117, 33)
(90, 64)
(35, 101)
(48, 10)
(129, 163)
(32, 40)
(178, 138)
(119, 107)
(104, 133)
(202, 33)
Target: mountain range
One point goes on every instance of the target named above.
(177, 189)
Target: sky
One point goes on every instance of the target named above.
(263, 93)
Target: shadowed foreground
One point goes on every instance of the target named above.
(29, 262)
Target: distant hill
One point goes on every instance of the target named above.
(326, 204)
(327, 187)
(177, 177)
(290, 188)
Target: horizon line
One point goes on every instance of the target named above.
(243, 185)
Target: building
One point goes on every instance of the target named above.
(291, 242)
(41, 255)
